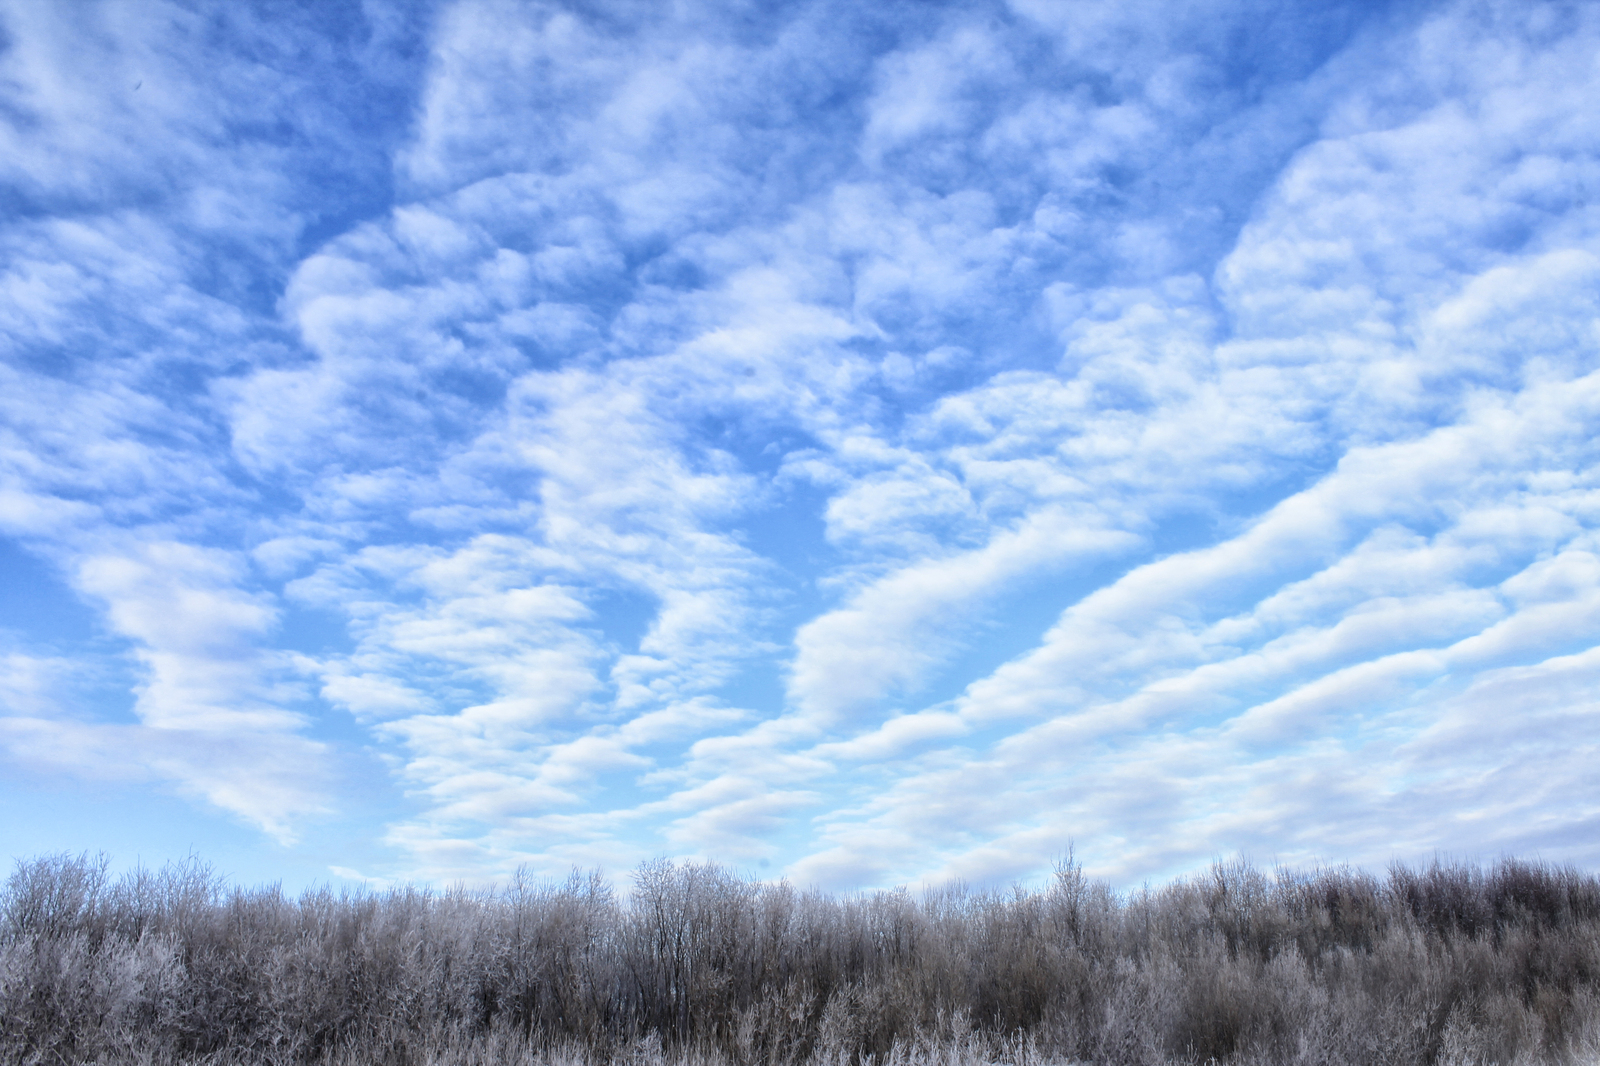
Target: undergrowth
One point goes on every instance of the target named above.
(1451, 964)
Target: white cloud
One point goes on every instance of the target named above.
(891, 634)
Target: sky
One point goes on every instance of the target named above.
(862, 444)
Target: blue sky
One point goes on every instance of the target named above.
(865, 443)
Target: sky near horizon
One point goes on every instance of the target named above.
(866, 444)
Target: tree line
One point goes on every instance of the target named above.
(1448, 963)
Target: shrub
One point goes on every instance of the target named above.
(1448, 964)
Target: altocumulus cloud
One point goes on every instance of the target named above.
(863, 443)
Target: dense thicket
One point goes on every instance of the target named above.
(1449, 964)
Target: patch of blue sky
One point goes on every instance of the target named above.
(34, 600)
